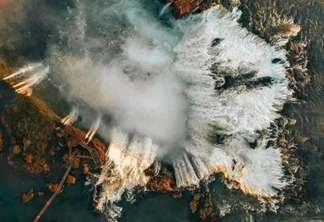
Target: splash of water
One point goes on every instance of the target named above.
(71, 118)
(37, 73)
(93, 129)
(165, 8)
(238, 113)
(126, 160)
(199, 90)
(26, 85)
(251, 88)
(26, 69)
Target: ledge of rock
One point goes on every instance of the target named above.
(183, 7)
(32, 133)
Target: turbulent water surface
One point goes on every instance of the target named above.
(202, 94)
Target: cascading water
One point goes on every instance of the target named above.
(198, 91)
(71, 118)
(216, 47)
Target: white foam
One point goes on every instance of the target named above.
(156, 82)
(237, 112)
(126, 160)
(160, 89)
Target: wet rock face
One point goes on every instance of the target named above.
(30, 130)
(28, 196)
(52, 187)
(183, 7)
(70, 179)
(161, 183)
(34, 136)
(202, 206)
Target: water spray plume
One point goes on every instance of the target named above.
(28, 68)
(93, 130)
(71, 118)
(126, 160)
(165, 8)
(25, 87)
(174, 89)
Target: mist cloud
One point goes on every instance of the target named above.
(133, 82)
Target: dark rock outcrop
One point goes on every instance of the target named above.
(183, 7)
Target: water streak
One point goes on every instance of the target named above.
(165, 9)
(93, 129)
(71, 118)
(25, 86)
